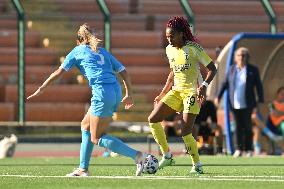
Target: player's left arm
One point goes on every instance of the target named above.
(47, 82)
(201, 91)
(259, 89)
(259, 86)
(119, 68)
(212, 70)
(127, 99)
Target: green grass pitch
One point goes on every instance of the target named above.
(220, 172)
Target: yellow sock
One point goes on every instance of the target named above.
(191, 148)
(159, 136)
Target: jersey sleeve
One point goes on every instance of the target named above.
(69, 61)
(204, 58)
(116, 65)
(168, 55)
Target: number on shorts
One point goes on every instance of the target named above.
(191, 100)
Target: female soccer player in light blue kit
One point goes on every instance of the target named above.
(99, 67)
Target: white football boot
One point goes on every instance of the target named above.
(140, 160)
(78, 172)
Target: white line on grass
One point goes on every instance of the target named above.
(215, 178)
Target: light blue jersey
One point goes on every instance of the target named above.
(99, 68)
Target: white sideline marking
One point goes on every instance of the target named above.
(215, 178)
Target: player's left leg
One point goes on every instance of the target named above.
(190, 142)
(98, 136)
(191, 109)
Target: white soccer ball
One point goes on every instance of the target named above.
(151, 164)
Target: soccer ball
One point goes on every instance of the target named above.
(151, 164)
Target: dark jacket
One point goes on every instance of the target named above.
(252, 82)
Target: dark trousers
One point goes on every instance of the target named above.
(243, 128)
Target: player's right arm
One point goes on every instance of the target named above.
(166, 88)
(68, 63)
(49, 80)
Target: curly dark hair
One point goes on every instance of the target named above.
(180, 24)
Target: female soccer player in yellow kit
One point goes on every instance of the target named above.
(181, 92)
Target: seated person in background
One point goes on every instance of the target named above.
(8, 146)
(208, 129)
(172, 125)
(275, 120)
(258, 127)
(274, 127)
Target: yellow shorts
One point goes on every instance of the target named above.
(185, 102)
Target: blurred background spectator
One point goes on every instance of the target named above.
(241, 81)
(275, 121)
(8, 146)
(208, 132)
(172, 125)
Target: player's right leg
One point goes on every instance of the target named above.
(166, 107)
(86, 148)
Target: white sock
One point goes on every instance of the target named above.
(198, 164)
(168, 155)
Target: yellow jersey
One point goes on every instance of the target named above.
(184, 63)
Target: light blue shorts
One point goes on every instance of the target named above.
(105, 99)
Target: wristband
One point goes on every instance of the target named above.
(205, 84)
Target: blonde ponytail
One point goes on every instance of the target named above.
(87, 37)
